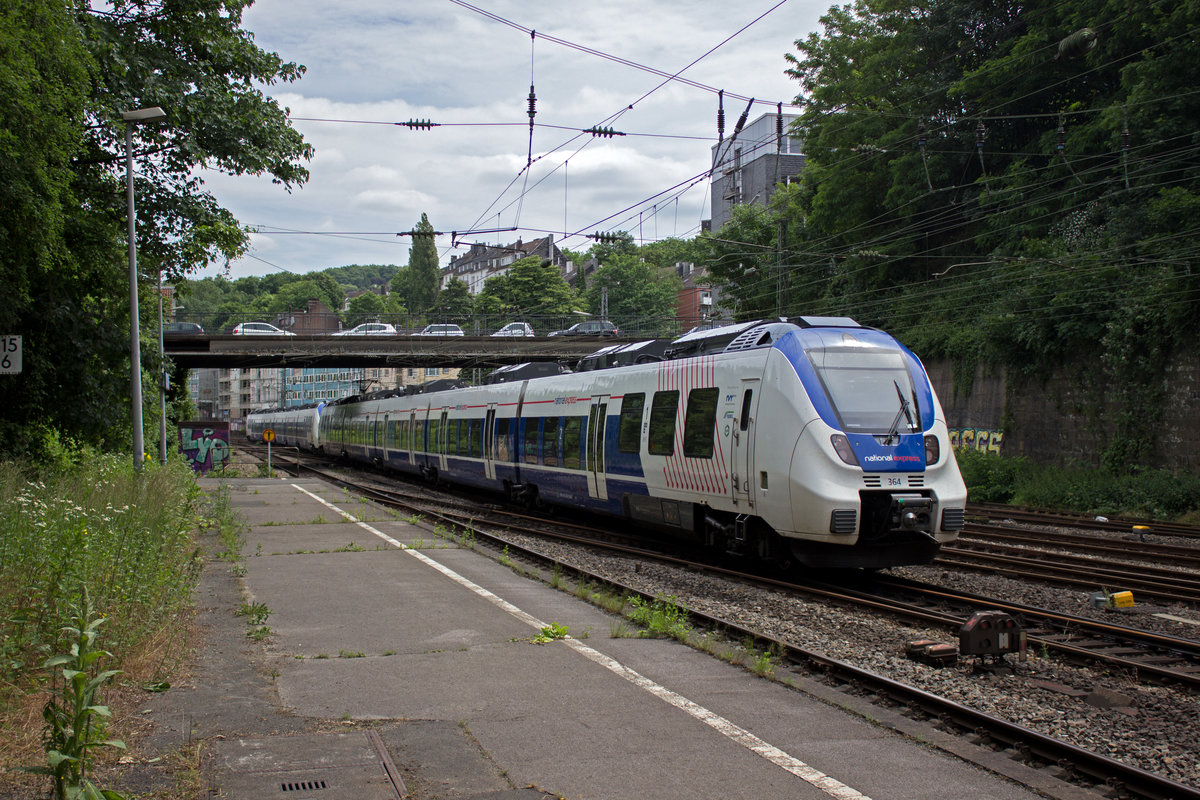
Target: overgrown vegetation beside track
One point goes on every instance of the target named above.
(91, 532)
(1141, 492)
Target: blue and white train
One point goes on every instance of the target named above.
(815, 440)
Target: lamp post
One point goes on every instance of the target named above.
(162, 382)
(131, 118)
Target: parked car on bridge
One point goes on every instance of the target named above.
(259, 329)
(589, 327)
(369, 329)
(515, 329)
(183, 329)
(441, 330)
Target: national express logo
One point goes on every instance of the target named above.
(894, 459)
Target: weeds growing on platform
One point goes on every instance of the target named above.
(94, 526)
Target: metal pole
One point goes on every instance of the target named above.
(135, 350)
(162, 382)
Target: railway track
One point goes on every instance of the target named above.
(1089, 574)
(998, 511)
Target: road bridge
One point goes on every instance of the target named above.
(243, 352)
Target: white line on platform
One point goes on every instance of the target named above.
(779, 758)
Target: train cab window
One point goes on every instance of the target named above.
(550, 442)
(699, 423)
(531, 441)
(629, 431)
(572, 442)
(474, 440)
(661, 439)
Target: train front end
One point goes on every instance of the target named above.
(873, 481)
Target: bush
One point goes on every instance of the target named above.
(990, 478)
(1156, 493)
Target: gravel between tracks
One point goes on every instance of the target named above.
(1153, 728)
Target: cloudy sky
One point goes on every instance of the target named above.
(469, 66)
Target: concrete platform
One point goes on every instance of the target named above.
(424, 657)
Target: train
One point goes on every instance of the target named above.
(814, 441)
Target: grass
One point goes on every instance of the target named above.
(92, 525)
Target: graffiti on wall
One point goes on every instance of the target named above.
(204, 444)
(981, 439)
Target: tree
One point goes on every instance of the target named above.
(636, 289)
(420, 282)
(531, 286)
(67, 71)
(364, 308)
(454, 301)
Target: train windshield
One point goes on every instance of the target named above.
(869, 388)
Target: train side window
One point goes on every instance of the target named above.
(744, 423)
(550, 442)
(464, 437)
(474, 440)
(699, 423)
(452, 436)
(531, 440)
(403, 434)
(572, 442)
(435, 428)
(629, 431)
(661, 438)
(503, 440)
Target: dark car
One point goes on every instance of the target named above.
(183, 329)
(591, 327)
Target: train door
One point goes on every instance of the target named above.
(443, 431)
(489, 448)
(385, 440)
(597, 418)
(741, 454)
(412, 438)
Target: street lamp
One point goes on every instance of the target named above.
(152, 114)
(162, 381)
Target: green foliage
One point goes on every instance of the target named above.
(990, 477)
(93, 521)
(531, 286)
(550, 632)
(67, 71)
(74, 715)
(418, 283)
(662, 617)
(365, 308)
(1159, 494)
(454, 302)
(636, 288)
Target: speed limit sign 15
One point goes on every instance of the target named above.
(10, 354)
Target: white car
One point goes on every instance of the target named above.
(259, 329)
(369, 329)
(441, 330)
(515, 329)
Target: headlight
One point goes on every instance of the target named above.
(933, 450)
(842, 446)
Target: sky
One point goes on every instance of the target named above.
(469, 66)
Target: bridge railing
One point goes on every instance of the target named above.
(316, 324)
